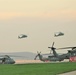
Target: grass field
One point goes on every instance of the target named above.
(37, 69)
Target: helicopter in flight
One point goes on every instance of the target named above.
(56, 56)
(58, 34)
(22, 36)
(6, 60)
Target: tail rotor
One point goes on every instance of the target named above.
(38, 53)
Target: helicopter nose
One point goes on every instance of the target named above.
(12, 62)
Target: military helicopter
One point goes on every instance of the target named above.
(6, 60)
(58, 34)
(49, 58)
(56, 56)
(22, 36)
(67, 55)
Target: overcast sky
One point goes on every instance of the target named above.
(39, 20)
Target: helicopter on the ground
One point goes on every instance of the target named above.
(6, 60)
(56, 56)
(22, 36)
(49, 58)
(68, 55)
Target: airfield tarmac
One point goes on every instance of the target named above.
(36, 61)
(27, 61)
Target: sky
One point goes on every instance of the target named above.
(39, 20)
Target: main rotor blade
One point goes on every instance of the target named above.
(66, 48)
(53, 44)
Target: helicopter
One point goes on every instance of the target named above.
(56, 56)
(6, 60)
(58, 34)
(22, 36)
(49, 58)
(68, 55)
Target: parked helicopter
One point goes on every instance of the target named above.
(6, 60)
(49, 58)
(56, 56)
(67, 55)
(22, 36)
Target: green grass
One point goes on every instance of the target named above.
(37, 69)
